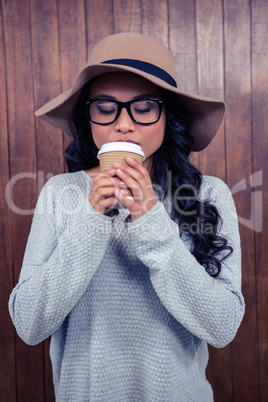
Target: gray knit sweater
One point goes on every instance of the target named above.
(129, 308)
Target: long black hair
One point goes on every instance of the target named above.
(173, 173)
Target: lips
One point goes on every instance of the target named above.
(130, 141)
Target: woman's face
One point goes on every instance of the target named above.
(125, 87)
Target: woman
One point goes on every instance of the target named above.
(132, 296)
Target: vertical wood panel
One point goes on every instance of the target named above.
(182, 40)
(99, 21)
(209, 34)
(46, 74)
(22, 160)
(260, 149)
(239, 167)
(7, 336)
(127, 16)
(155, 19)
(182, 43)
(72, 35)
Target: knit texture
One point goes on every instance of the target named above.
(129, 308)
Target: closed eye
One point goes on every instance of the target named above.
(106, 107)
(143, 107)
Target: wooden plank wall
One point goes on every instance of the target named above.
(220, 48)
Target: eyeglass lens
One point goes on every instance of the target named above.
(143, 111)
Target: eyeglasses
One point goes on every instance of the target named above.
(142, 111)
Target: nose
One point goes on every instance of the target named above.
(124, 123)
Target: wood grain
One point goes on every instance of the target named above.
(29, 361)
(239, 167)
(182, 42)
(154, 21)
(126, 16)
(210, 75)
(46, 74)
(72, 47)
(211, 161)
(99, 21)
(259, 14)
(7, 344)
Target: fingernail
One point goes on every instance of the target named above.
(124, 192)
(112, 171)
(116, 164)
(120, 192)
(129, 159)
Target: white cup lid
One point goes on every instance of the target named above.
(121, 146)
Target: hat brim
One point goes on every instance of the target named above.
(206, 114)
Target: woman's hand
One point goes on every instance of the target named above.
(102, 193)
(137, 178)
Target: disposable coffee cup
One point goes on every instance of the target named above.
(117, 152)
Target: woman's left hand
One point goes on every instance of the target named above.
(137, 178)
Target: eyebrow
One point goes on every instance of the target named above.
(141, 96)
(105, 96)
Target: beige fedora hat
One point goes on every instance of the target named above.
(150, 59)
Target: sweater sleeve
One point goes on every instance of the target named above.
(210, 308)
(67, 241)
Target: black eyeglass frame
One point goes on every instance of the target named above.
(127, 106)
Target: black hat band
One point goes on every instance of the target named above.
(146, 68)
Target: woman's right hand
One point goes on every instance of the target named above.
(102, 193)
